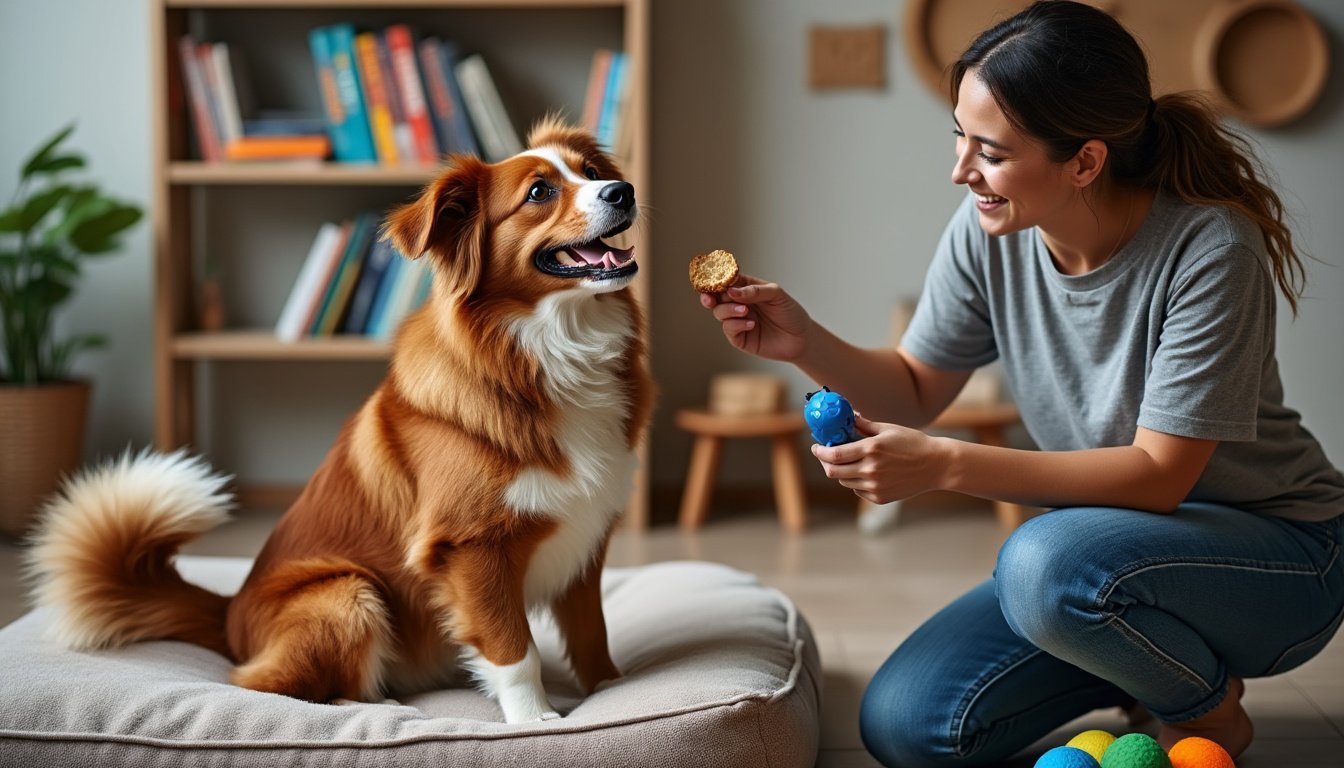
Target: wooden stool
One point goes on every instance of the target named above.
(987, 423)
(710, 429)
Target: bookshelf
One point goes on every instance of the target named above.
(252, 221)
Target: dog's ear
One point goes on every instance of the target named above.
(445, 222)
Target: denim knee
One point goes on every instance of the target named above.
(1041, 580)
(894, 729)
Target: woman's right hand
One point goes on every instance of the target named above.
(760, 318)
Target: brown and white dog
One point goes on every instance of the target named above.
(482, 478)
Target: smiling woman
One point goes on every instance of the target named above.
(1119, 257)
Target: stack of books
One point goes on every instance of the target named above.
(391, 99)
(606, 106)
(227, 126)
(352, 282)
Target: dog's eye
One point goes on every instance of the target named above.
(540, 192)
(590, 172)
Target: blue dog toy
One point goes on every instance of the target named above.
(830, 417)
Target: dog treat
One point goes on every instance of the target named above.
(713, 272)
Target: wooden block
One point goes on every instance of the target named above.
(745, 394)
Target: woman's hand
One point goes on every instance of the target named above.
(760, 318)
(888, 463)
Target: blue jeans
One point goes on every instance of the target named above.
(1096, 607)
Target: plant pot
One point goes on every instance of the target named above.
(41, 441)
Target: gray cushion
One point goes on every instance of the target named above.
(719, 670)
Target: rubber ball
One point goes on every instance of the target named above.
(1066, 757)
(1093, 742)
(830, 417)
(1197, 752)
(1135, 750)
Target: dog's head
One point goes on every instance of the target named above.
(531, 224)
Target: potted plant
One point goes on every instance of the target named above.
(49, 227)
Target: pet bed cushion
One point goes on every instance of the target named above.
(719, 670)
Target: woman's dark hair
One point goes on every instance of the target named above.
(1065, 73)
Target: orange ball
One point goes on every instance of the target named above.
(1196, 752)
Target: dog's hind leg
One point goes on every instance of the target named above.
(321, 637)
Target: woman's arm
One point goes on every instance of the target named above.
(1154, 473)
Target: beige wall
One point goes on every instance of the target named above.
(840, 196)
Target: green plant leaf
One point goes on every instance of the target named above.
(62, 163)
(47, 291)
(10, 219)
(43, 155)
(95, 234)
(39, 205)
(53, 258)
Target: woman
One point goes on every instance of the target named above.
(1119, 255)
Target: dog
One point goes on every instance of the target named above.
(482, 479)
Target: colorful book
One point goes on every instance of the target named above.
(342, 284)
(411, 89)
(381, 254)
(410, 278)
(597, 89)
(315, 147)
(386, 287)
(494, 129)
(233, 91)
(311, 282)
(202, 118)
(611, 100)
(452, 125)
(284, 123)
(333, 50)
(401, 129)
(376, 102)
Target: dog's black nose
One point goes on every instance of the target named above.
(619, 194)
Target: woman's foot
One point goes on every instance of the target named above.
(1227, 724)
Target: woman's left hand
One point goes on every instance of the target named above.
(887, 463)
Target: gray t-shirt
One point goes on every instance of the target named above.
(1175, 333)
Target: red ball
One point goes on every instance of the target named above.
(1196, 752)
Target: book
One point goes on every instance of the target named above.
(314, 148)
(438, 60)
(410, 86)
(401, 128)
(381, 254)
(310, 283)
(333, 52)
(202, 118)
(233, 92)
(597, 89)
(337, 297)
(284, 123)
(386, 287)
(494, 129)
(412, 278)
(611, 98)
(376, 102)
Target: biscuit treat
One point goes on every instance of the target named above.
(713, 272)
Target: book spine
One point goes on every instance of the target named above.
(291, 325)
(230, 112)
(498, 137)
(606, 126)
(207, 136)
(355, 122)
(366, 290)
(378, 312)
(315, 147)
(375, 98)
(401, 46)
(464, 135)
(401, 127)
(597, 88)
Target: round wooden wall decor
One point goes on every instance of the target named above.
(1265, 61)
(1262, 61)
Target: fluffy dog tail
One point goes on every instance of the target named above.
(102, 557)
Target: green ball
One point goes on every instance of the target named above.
(1135, 750)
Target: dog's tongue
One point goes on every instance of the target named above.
(599, 254)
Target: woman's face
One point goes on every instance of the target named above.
(1015, 183)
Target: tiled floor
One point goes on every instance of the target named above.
(863, 593)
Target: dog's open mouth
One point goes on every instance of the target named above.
(594, 259)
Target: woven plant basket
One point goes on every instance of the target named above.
(41, 441)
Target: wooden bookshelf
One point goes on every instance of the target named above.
(189, 194)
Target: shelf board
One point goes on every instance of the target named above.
(258, 344)
(298, 174)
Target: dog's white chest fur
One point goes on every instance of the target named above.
(580, 342)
